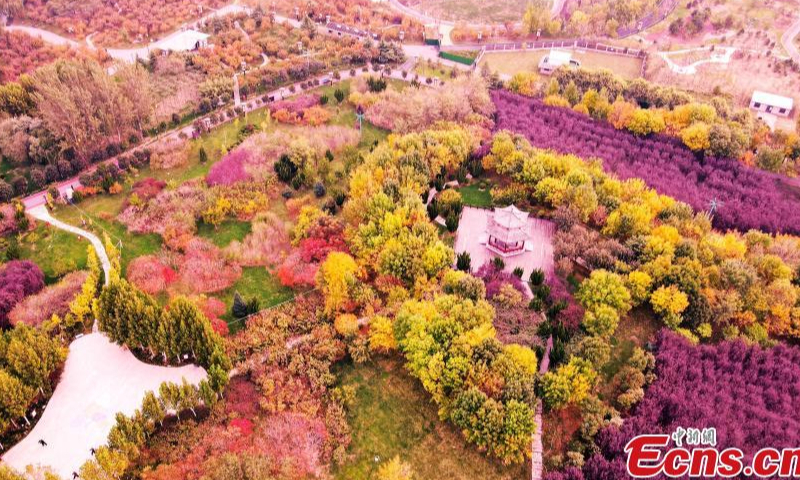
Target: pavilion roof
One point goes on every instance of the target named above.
(509, 224)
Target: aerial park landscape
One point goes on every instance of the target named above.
(407, 239)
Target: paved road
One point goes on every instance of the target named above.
(788, 41)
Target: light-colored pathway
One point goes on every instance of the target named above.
(41, 213)
(787, 39)
(100, 379)
(721, 55)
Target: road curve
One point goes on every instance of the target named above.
(787, 39)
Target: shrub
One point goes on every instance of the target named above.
(230, 169)
(18, 279)
(52, 300)
(464, 262)
(537, 277)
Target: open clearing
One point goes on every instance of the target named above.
(393, 415)
(509, 63)
(99, 380)
(475, 11)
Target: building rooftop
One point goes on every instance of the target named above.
(509, 224)
(558, 58)
(773, 100)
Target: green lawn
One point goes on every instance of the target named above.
(476, 196)
(55, 251)
(393, 415)
(225, 233)
(255, 282)
(433, 70)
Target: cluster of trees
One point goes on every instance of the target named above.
(66, 116)
(135, 319)
(23, 53)
(315, 236)
(746, 198)
(28, 357)
(606, 18)
(124, 22)
(713, 129)
(388, 226)
(465, 101)
(702, 283)
(707, 383)
(485, 388)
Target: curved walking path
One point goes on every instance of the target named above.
(723, 58)
(787, 39)
(41, 213)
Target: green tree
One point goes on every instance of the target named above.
(604, 288)
(15, 397)
(569, 384)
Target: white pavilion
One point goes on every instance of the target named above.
(507, 231)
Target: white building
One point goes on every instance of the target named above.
(555, 59)
(771, 103)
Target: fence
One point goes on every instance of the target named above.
(458, 58)
(576, 44)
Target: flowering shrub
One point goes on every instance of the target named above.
(213, 308)
(203, 269)
(495, 278)
(747, 198)
(230, 169)
(266, 244)
(295, 104)
(53, 300)
(148, 188)
(18, 279)
(705, 387)
(8, 222)
(171, 214)
(150, 275)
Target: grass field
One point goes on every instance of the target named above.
(509, 63)
(225, 233)
(255, 282)
(487, 11)
(55, 251)
(433, 70)
(393, 415)
(476, 196)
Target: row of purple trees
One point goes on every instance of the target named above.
(750, 394)
(746, 198)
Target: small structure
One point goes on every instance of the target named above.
(555, 59)
(185, 41)
(507, 231)
(771, 103)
